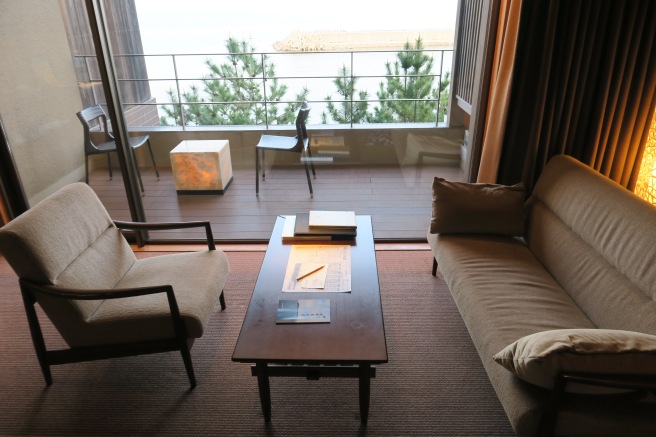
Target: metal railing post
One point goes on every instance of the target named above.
(177, 86)
(353, 89)
(264, 90)
(439, 89)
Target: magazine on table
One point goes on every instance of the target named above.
(303, 311)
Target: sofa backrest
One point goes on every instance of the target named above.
(598, 240)
(67, 240)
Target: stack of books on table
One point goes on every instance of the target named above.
(320, 226)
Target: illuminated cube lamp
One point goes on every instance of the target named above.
(201, 166)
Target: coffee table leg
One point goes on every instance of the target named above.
(365, 390)
(265, 392)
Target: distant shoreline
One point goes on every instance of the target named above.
(324, 41)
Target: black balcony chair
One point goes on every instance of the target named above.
(96, 114)
(298, 144)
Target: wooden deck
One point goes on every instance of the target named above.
(397, 198)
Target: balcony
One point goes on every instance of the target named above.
(382, 169)
(198, 90)
(398, 199)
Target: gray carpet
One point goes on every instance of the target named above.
(433, 385)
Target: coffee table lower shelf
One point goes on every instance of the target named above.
(364, 373)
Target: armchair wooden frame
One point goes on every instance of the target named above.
(179, 342)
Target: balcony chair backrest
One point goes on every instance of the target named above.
(301, 131)
(301, 119)
(91, 117)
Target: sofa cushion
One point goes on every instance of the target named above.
(538, 358)
(467, 208)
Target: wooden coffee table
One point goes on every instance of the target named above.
(347, 347)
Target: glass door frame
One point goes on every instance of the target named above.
(102, 43)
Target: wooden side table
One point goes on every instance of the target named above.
(201, 166)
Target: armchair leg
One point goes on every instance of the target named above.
(186, 357)
(222, 301)
(37, 336)
(434, 266)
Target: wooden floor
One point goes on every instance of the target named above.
(398, 200)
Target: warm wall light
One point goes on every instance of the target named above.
(646, 185)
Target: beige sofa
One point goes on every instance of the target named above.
(587, 260)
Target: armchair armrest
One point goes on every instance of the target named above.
(96, 293)
(87, 353)
(27, 287)
(143, 226)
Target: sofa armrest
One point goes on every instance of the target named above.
(143, 226)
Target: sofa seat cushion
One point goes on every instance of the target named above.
(539, 358)
(503, 294)
(100, 266)
(197, 279)
(502, 291)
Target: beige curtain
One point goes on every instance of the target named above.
(500, 88)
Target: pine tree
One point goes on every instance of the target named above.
(407, 94)
(346, 112)
(238, 85)
(443, 95)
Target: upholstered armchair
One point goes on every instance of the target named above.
(73, 260)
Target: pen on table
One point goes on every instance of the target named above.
(310, 272)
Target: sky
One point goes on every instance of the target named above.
(202, 26)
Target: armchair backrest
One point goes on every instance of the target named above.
(67, 240)
(89, 116)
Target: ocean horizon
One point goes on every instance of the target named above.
(168, 29)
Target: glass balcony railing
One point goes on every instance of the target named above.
(264, 89)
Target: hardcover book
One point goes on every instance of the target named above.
(289, 235)
(302, 228)
(332, 219)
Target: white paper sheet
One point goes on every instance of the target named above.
(337, 259)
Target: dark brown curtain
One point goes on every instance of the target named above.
(584, 85)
